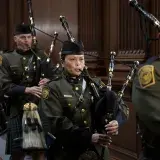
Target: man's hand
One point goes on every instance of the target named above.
(36, 91)
(43, 81)
(112, 127)
(101, 139)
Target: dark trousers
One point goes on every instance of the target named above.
(150, 153)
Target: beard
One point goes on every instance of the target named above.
(23, 47)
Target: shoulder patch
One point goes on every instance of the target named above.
(45, 92)
(146, 76)
(1, 59)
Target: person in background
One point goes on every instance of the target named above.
(21, 79)
(146, 99)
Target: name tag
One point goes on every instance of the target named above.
(67, 96)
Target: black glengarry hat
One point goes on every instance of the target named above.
(22, 29)
(72, 48)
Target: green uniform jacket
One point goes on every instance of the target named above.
(146, 95)
(69, 123)
(19, 70)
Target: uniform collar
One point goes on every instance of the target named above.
(71, 79)
(29, 52)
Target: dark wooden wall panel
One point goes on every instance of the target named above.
(3, 24)
(90, 24)
(155, 10)
(12, 13)
(15, 16)
(90, 30)
(130, 33)
(46, 15)
(106, 27)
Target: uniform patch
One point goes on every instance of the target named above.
(45, 92)
(1, 58)
(146, 76)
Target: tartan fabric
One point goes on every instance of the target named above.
(14, 136)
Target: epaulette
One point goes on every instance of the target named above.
(7, 51)
(94, 76)
(56, 78)
(152, 59)
(149, 61)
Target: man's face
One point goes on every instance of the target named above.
(23, 41)
(74, 64)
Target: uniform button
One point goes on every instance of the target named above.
(34, 62)
(83, 110)
(42, 75)
(69, 104)
(85, 122)
(92, 98)
(27, 77)
(48, 59)
(24, 58)
(76, 88)
(26, 68)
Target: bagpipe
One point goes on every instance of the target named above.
(107, 102)
(43, 71)
(65, 25)
(150, 17)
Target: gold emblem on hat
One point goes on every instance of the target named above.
(146, 76)
(45, 92)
